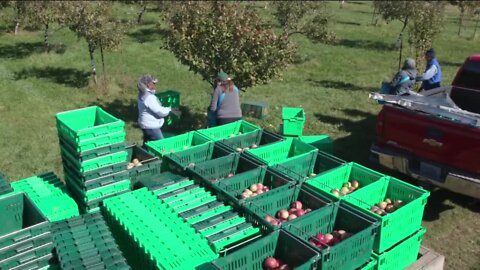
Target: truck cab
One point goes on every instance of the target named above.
(433, 142)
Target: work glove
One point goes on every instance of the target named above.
(176, 112)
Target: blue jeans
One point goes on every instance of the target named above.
(152, 134)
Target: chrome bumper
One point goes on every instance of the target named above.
(455, 182)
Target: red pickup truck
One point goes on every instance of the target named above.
(435, 138)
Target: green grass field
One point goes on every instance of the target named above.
(331, 82)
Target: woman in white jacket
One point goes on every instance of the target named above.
(151, 113)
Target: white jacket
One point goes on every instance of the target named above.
(150, 111)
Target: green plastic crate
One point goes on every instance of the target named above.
(25, 245)
(323, 163)
(233, 187)
(48, 194)
(4, 185)
(169, 98)
(151, 234)
(254, 109)
(278, 244)
(95, 182)
(87, 123)
(242, 130)
(293, 121)
(337, 177)
(159, 181)
(38, 263)
(151, 165)
(94, 163)
(402, 255)
(93, 174)
(98, 142)
(243, 142)
(352, 252)
(20, 219)
(27, 256)
(231, 236)
(370, 265)
(257, 208)
(280, 152)
(101, 191)
(402, 222)
(322, 142)
(93, 153)
(181, 151)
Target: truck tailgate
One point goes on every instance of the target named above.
(431, 138)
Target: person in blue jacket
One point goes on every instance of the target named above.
(432, 76)
(151, 113)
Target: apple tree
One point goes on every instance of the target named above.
(212, 36)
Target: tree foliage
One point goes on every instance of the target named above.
(45, 13)
(310, 18)
(210, 36)
(427, 22)
(423, 18)
(93, 21)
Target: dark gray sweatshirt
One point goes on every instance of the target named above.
(230, 107)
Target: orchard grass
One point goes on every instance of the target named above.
(331, 82)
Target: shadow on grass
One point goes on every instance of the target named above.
(25, 49)
(67, 76)
(437, 203)
(127, 110)
(148, 34)
(356, 146)
(348, 23)
(338, 85)
(366, 44)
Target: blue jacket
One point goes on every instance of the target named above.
(435, 80)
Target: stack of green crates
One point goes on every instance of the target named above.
(400, 233)
(86, 242)
(169, 98)
(152, 236)
(25, 238)
(48, 194)
(220, 224)
(4, 185)
(92, 145)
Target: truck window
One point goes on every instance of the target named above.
(466, 87)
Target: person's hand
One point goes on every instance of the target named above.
(176, 112)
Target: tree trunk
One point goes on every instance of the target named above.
(475, 29)
(47, 47)
(17, 26)
(405, 23)
(373, 16)
(103, 60)
(460, 21)
(140, 15)
(92, 62)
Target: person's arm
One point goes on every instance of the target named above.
(213, 103)
(428, 74)
(154, 106)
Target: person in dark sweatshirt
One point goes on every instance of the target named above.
(404, 80)
(226, 100)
